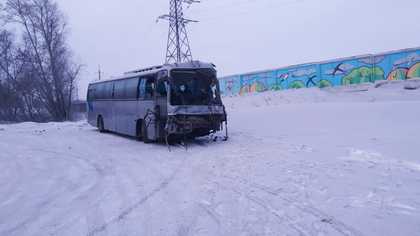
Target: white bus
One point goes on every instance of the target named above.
(159, 103)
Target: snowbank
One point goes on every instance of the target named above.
(384, 91)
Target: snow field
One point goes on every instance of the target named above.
(343, 161)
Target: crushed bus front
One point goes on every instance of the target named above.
(195, 107)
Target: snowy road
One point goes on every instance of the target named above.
(303, 162)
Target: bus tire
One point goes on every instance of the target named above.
(139, 130)
(101, 126)
(144, 133)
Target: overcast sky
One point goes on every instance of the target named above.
(237, 35)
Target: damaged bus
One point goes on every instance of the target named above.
(157, 104)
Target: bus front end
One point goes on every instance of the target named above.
(195, 106)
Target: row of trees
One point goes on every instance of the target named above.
(37, 74)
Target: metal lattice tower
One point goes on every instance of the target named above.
(178, 48)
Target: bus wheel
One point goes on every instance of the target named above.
(139, 130)
(144, 133)
(101, 127)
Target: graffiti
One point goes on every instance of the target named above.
(410, 59)
(252, 88)
(310, 82)
(229, 86)
(340, 69)
(255, 83)
(303, 72)
(325, 83)
(297, 84)
(280, 82)
(405, 73)
(283, 77)
(363, 75)
(372, 60)
(398, 74)
(414, 71)
(302, 77)
(401, 65)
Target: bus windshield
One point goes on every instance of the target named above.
(194, 87)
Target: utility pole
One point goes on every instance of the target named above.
(99, 73)
(178, 48)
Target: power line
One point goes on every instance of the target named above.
(240, 7)
(178, 47)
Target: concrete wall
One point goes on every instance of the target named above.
(396, 65)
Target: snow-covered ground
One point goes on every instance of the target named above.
(341, 161)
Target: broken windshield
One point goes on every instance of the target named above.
(194, 87)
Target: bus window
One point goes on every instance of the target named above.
(161, 88)
(119, 92)
(150, 87)
(100, 91)
(142, 86)
(146, 88)
(108, 90)
(131, 88)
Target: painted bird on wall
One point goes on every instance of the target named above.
(340, 69)
(406, 61)
(311, 81)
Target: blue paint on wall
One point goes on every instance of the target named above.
(398, 65)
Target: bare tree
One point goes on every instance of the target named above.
(45, 50)
(72, 72)
(20, 97)
(9, 99)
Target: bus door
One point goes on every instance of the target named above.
(147, 103)
(161, 104)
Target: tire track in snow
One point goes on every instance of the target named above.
(98, 184)
(45, 205)
(335, 224)
(103, 171)
(322, 216)
(282, 218)
(100, 170)
(120, 217)
(7, 189)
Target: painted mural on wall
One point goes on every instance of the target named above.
(256, 83)
(401, 65)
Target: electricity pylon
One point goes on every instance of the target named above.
(178, 48)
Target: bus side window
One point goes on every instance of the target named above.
(119, 92)
(146, 88)
(149, 88)
(100, 91)
(131, 88)
(142, 88)
(161, 88)
(108, 90)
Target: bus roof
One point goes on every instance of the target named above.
(155, 69)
